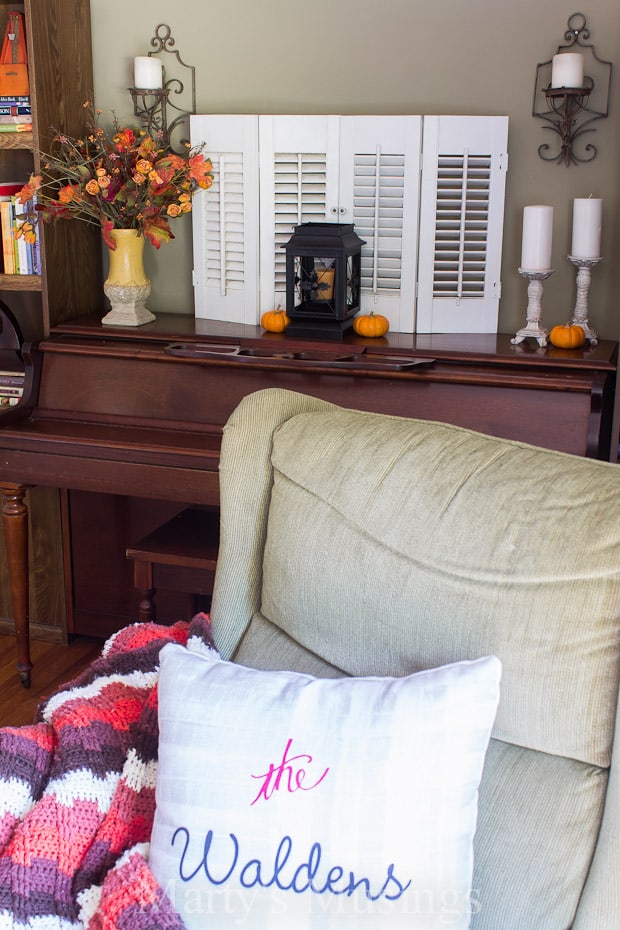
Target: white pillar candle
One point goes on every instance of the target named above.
(587, 219)
(567, 70)
(147, 73)
(537, 238)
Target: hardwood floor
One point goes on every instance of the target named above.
(53, 666)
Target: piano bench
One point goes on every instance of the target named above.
(179, 555)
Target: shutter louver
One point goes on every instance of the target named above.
(225, 268)
(378, 197)
(461, 225)
(299, 197)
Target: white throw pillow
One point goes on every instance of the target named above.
(286, 801)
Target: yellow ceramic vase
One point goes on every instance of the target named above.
(127, 286)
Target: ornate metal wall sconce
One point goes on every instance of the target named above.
(151, 104)
(570, 110)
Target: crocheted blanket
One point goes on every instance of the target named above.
(77, 795)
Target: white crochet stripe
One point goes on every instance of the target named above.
(47, 922)
(82, 785)
(197, 644)
(141, 849)
(88, 899)
(88, 904)
(15, 797)
(135, 679)
(138, 774)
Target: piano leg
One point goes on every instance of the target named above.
(15, 522)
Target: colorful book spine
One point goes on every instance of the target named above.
(36, 245)
(36, 255)
(12, 379)
(8, 242)
(15, 127)
(23, 249)
(14, 100)
(8, 120)
(9, 400)
(18, 109)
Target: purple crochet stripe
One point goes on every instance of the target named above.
(97, 863)
(44, 890)
(145, 734)
(161, 915)
(22, 756)
(93, 748)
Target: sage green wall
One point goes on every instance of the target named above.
(393, 56)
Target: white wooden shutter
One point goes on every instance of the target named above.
(461, 222)
(225, 220)
(441, 235)
(298, 158)
(379, 191)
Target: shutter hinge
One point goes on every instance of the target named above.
(503, 162)
(497, 286)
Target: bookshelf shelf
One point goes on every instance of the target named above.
(21, 282)
(18, 140)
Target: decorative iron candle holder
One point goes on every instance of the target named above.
(570, 111)
(533, 326)
(580, 313)
(323, 262)
(151, 105)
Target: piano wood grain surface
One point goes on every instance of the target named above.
(120, 412)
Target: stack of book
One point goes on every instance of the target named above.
(11, 387)
(18, 255)
(15, 114)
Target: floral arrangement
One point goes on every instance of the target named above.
(125, 179)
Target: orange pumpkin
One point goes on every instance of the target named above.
(274, 321)
(567, 336)
(371, 324)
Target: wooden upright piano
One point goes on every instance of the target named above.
(139, 412)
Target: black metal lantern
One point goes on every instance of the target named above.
(322, 279)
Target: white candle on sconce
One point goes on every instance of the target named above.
(567, 70)
(147, 73)
(587, 222)
(537, 238)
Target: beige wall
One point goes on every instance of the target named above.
(392, 56)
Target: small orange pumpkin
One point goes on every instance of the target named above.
(371, 324)
(275, 321)
(567, 336)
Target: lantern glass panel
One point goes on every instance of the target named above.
(314, 284)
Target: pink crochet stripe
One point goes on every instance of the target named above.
(132, 900)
